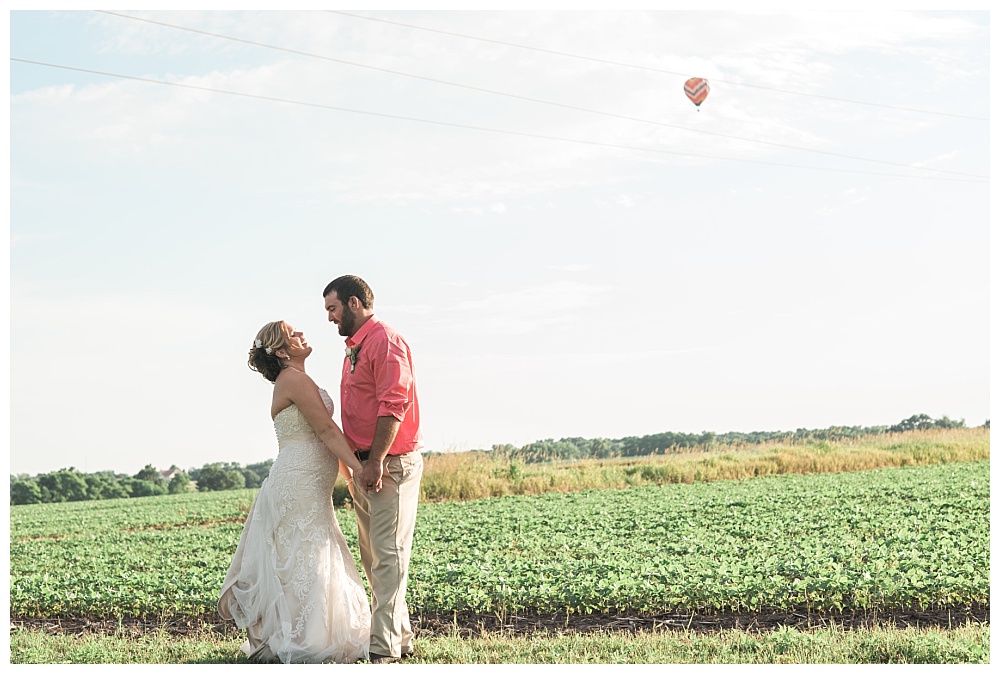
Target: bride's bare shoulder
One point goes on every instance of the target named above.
(290, 387)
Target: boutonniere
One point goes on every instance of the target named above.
(352, 354)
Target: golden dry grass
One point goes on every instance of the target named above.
(470, 475)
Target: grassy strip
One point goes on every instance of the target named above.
(31, 646)
(968, 644)
(472, 475)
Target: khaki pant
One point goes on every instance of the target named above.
(385, 535)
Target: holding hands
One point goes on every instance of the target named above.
(370, 478)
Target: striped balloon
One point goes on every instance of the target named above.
(696, 89)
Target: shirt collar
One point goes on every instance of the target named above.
(362, 332)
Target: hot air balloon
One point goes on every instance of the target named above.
(696, 89)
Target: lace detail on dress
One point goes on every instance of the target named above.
(293, 583)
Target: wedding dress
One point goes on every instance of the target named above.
(293, 584)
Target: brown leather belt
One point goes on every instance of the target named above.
(363, 454)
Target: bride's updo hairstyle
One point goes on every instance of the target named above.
(271, 337)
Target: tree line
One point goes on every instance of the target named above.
(570, 449)
(69, 484)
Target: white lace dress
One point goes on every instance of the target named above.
(293, 584)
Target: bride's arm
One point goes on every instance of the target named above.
(346, 472)
(301, 390)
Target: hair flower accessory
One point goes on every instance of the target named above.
(260, 345)
(352, 355)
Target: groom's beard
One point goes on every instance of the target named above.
(347, 323)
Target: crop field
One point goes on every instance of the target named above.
(913, 538)
(857, 541)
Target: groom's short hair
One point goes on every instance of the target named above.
(351, 286)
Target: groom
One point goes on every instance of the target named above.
(381, 418)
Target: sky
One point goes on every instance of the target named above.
(570, 246)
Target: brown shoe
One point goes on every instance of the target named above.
(377, 659)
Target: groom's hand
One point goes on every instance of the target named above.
(385, 432)
(371, 475)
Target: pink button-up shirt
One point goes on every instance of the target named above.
(381, 385)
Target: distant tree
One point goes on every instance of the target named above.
(23, 492)
(341, 494)
(104, 485)
(216, 477)
(921, 422)
(251, 480)
(601, 448)
(149, 473)
(945, 422)
(63, 485)
(137, 487)
(549, 450)
(180, 483)
(917, 422)
(261, 469)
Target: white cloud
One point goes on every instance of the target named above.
(945, 158)
(18, 239)
(571, 267)
(522, 311)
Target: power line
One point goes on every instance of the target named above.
(656, 70)
(536, 100)
(470, 127)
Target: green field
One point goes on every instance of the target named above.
(824, 545)
(899, 538)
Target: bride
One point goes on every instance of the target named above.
(293, 584)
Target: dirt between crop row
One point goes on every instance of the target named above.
(473, 624)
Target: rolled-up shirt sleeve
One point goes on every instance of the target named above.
(393, 379)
